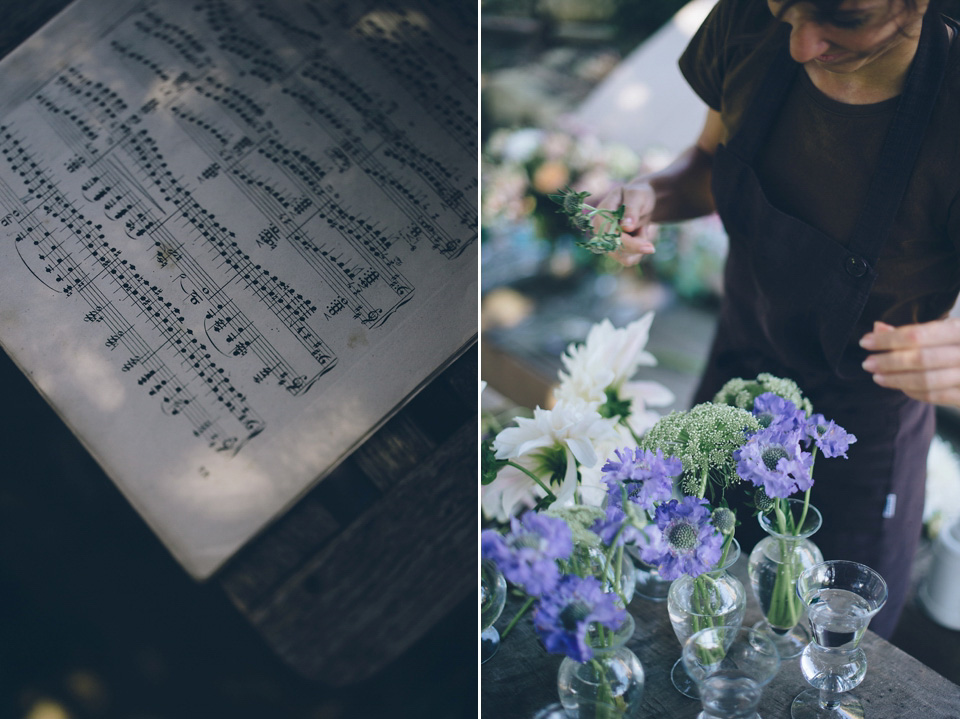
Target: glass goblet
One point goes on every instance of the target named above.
(841, 598)
(493, 595)
(730, 665)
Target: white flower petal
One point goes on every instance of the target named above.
(640, 422)
(509, 493)
(649, 392)
(592, 488)
(583, 450)
(568, 488)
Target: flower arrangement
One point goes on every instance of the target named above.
(538, 557)
(600, 473)
(692, 526)
(777, 462)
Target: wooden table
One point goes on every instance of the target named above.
(521, 678)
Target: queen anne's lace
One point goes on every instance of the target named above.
(703, 439)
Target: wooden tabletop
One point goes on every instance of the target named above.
(521, 678)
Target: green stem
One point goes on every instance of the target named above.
(803, 514)
(704, 613)
(603, 702)
(534, 477)
(625, 423)
(618, 571)
(615, 548)
(516, 618)
(784, 609)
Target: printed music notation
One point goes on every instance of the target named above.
(246, 231)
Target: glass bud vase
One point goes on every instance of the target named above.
(607, 686)
(713, 599)
(649, 584)
(493, 595)
(775, 564)
(590, 561)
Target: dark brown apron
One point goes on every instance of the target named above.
(793, 306)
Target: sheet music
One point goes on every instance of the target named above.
(234, 236)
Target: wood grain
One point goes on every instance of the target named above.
(381, 584)
(378, 552)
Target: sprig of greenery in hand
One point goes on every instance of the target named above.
(581, 217)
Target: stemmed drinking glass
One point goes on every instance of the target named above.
(730, 665)
(841, 598)
(493, 595)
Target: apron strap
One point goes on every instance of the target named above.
(902, 143)
(758, 120)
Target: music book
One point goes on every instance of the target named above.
(235, 237)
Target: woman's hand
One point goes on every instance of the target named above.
(680, 191)
(636, 230)
(921, 360)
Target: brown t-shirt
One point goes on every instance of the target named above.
(820, 156)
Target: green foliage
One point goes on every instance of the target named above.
(614, 406)
(580, 215)
(489, 464)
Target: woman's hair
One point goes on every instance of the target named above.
(828, 7)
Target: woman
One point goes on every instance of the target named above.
(831, 151)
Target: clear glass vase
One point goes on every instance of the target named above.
(493, 595)
(731, 666)
(842, 597)
(715, 598)
(590, 561)
(775, 564)
(649, 584)
(608, 686)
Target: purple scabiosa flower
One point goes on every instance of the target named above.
(646, 475)
(690, 543)
(621, 468)
(563, 617)
(832, 439)
(775, 461)
(774, 411)
(527, 554)
(609, 528)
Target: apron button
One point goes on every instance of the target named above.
(855, 266)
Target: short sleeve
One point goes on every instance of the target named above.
(702, 63)
(728, 35)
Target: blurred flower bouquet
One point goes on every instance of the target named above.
(941, 505)
(521, 169)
